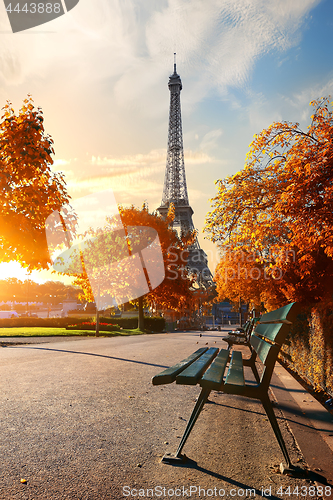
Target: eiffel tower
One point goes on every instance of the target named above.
(175, 188)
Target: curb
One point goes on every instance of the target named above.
(310, 423)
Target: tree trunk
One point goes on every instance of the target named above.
(97, 324)
(140, 322)
(97, 314)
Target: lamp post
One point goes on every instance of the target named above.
(49, 308)
(36, 306)
(97, 311)
(27, 307)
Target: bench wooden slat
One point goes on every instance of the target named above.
(235, 375)
(286, 314)
(261, 347)
(191, 374)
(275, 332)
(213, 377)
(169, 375)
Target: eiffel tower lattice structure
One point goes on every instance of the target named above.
(175, 188)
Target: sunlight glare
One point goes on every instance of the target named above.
(13, 270)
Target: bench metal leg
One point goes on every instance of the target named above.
(195, 414)
(255, 373)
(272, 418)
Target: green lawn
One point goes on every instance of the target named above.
(37, 331)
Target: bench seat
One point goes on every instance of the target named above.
(169, 375)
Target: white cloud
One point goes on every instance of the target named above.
(133, 178)
(293, 107)
(156, 156)
(60, 163)
(307, 94)
(210, 140)
(220, 41)
(298, 102)
(155, 160)
(130, 44)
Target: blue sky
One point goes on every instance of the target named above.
(100, 74)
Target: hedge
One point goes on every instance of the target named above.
(127, 323)
(91, 326)
(154, 324)
(308, 349)
(42, 322)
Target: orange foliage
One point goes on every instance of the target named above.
(29, 190)
(276, 215)
(174, 291)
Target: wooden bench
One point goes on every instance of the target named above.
(241, 336)
(222, 371)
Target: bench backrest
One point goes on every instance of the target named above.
(286, 314)
(252, 324)
(269, 335)
(246, 326)
(246, 329)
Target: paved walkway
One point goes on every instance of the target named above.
(81, 420)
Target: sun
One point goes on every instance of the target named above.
(13, 269)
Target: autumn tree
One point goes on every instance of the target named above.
(273, 220)
(111, 247)
(29, 190)
(175, 290)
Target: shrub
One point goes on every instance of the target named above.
(42, 322)
(91, 325)
(154, 324)
(127, 323)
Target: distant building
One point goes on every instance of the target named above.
(69, 305)
(224, 315)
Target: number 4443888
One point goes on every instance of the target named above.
(305, 491)
(34, 8)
